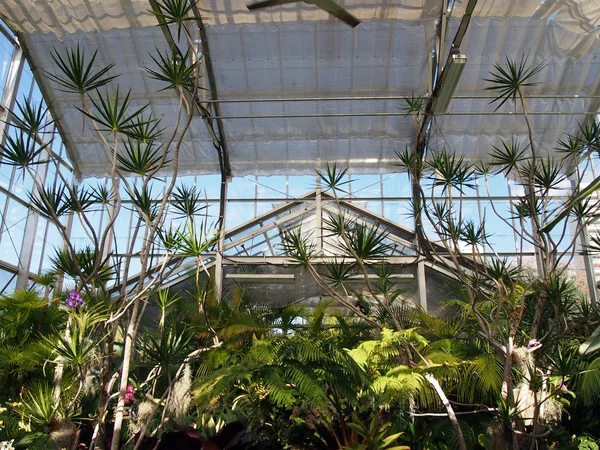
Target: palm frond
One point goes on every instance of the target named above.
(298, 246)
(32, 118)
(176, 70)
(77, 76)
(175, 12)
(51, 201)
(507, 81)
(141, 158)
(508, 157)
(112, 113)
(21, 150)
(186, 201)
(334, 178)
(590, 382)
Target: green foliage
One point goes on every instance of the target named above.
(38, 404)
(187, 202)
(77, 76)
(333, 178)
(450, 171)
(194, 240)
(24, 320)
(21, 150)
(374, 436)
(586, 443)
(592, 344)
(145, 203)
(169, 348)
(78, 347)
(590, 382)
(32, 118)
(362, 241)
(175, 12)
(414, 106)
(508, 157)
(51, 201)
(178, 71)
(367, 242)
(141, 157)
(298, 246)
(289, 370)
(408, 161)
(112, 113)
(87, 259)
(508, 81)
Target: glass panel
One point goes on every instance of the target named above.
(368, 186)
(397, 185)
(13, 232)
(242, 188)
(493, 185)
(38, 245)
(8, 281)
(53, 244)
(300, 185)
(209, 186)
(499, 233)
(272, 187)
(6, 52)
(400, 212)
(24, 88)
(238, 213)
(375, 207)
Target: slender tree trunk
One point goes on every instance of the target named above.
(462, 445)
(127, 353)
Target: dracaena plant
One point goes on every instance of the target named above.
(101, 270)
(510, 305)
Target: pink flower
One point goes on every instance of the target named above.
(129, 394)
(562, 386)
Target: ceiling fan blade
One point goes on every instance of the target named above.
(336, 10)
(266, 3)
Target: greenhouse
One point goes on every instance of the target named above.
(280, 224)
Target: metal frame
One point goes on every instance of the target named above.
(314, 202)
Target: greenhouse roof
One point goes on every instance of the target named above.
(298, 88)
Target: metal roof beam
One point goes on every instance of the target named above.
(210, 74)
(207, 117)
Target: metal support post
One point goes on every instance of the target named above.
(588, 259)
(588, 262)
(422, 284)
(218, 284)
(318, 218)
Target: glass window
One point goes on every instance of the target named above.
(13, 232)
(242, 187)
(493, 185)
(272, 187)
(366, 186)
(400, 212)
(300, 185)
(8, 281)
(238, 213)
(38, 245)
(209, 186)
(6, 53)
(53, 245)
(24, 89)
(397, 185)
